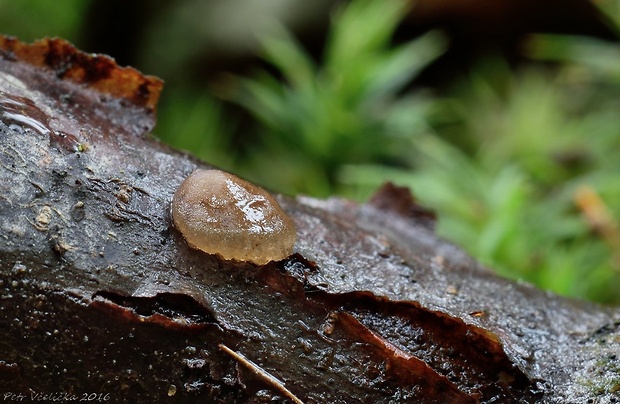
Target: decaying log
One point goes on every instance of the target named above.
(102, 299)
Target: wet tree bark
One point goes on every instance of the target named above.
(102, 299)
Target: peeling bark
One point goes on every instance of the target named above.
(100, 295)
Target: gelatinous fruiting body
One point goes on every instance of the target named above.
(222, 214)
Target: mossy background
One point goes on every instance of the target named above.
(522, 164)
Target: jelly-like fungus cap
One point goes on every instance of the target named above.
(222, 214)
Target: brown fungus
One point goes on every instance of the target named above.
(222, 214)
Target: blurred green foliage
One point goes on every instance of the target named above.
(34, 19)
(318, 118)
(523, 167)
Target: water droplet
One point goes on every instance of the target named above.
(19, 268)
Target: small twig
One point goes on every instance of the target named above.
(269, 378)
